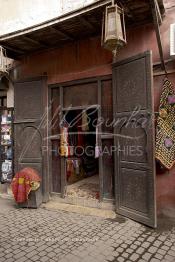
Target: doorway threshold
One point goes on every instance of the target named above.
(56, 204)
(83, 202)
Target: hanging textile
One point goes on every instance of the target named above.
(80, 136)
(77, 166)
(165, 131)
(70, 144)
(85, 124)
(70, 168)
(73, 170)
(64, 147)
(97, 147)
(23, 183)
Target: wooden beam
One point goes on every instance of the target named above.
(158, 12)
(61, 32)
(167, 61)
(36, 42)
(157, 30)
(162, 73)
(13, 49)
(13, 55)
(130, 24)
(85, 22)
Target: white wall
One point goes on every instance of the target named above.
(19, 14)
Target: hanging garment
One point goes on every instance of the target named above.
(97, 147)
(64, 147)
(85, 123)
(165, 130)
(72, 140)
(23, 183)
(70, 168)
(73, 170)
(77, 166)
(80, 137)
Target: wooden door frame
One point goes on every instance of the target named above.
(62, 85)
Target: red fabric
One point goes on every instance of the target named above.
(21, 184)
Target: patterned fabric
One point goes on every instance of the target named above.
(23, 182)
(64, 146)
(165, 131)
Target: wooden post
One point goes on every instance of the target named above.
(157, 30)
(99, 140)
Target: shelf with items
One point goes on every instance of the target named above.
(6, 169)
(6, 145)
(6, 153)
(7, 123)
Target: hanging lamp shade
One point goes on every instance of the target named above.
(3, 60)
(113, 31)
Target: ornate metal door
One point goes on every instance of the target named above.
(134, 139)
(30, 128)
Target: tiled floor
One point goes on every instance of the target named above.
(49, 235)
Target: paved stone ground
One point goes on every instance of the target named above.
(49, 235)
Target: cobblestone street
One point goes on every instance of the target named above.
(49, 235)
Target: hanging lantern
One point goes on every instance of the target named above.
(113, 31)
(3, 60)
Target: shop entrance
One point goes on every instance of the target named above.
(86, 98)
(79, 145)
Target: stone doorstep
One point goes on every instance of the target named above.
(84, 202)
(92, 211)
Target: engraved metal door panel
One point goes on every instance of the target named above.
(30, 127)
(134, 139)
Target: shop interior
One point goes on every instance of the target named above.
(81, 161)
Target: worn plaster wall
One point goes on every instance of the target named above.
(73, 61)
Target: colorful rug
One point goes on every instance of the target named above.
(165, 130)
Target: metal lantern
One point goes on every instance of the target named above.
(3, 60)
(113, 31)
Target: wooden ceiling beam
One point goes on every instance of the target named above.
(13, 49)
(61, 32)
(85, 22)
(36, 42)
(137, 24)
